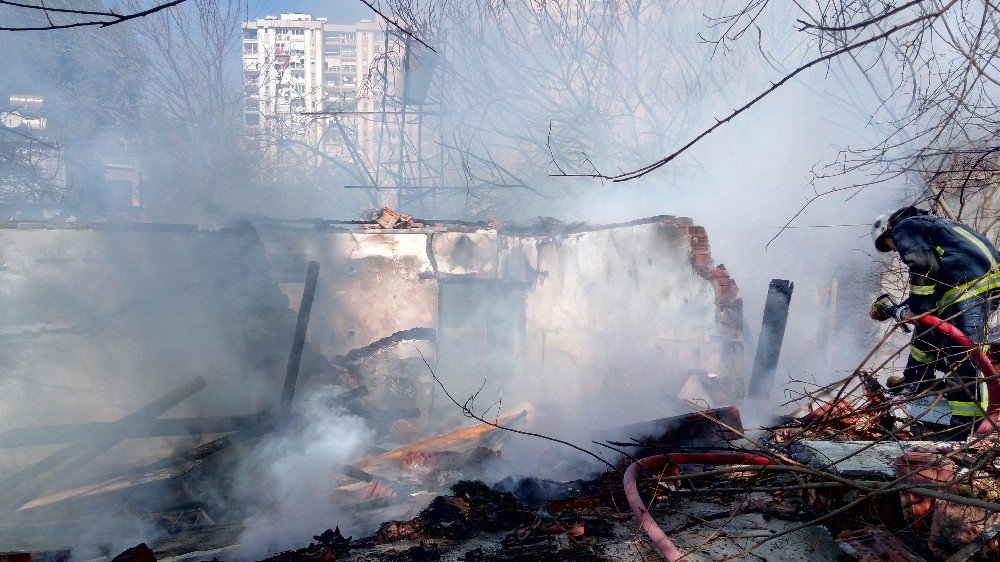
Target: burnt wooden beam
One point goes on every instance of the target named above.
(772, 333)
(28, 483)
(373, 349)
(172, 427)
(299, 339)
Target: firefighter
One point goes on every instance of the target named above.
(953, 273)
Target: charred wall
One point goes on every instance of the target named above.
(518, 311)
(98, 318)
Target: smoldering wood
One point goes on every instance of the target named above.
(695, 429)
(351, 395)
(79, 455)
(384, 416)
(372, 349)
(976, 546)
(465, 438)
(299, 339)
(356, 473)
(246, 434)
(143, 414)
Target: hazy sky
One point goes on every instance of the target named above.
(336, 11)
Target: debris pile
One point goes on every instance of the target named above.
(389, 219)
(720, 493)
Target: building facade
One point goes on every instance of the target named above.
(295, 65)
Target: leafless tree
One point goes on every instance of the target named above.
(31, 167)
(192, 104)
(77, 90)
(920, 74)
(531, 89)
(319, 151)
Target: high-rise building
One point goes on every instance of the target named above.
(295, 65)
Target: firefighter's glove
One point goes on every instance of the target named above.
(884, 308)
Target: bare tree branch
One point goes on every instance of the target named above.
(109, 18)
(396, 24)
(637, 173)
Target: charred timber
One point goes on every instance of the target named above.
(772, 333)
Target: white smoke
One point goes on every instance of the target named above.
(289, 478)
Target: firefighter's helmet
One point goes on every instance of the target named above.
(880, 232)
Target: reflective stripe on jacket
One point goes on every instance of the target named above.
(949, 262)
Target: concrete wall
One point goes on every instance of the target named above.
(98, 320)
(619, 307)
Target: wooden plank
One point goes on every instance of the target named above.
(40, 477)
(68, 433)
(462, 439)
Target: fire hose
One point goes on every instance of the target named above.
(983, 362)
(667, 547)
(649, 526)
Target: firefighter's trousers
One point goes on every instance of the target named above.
(931, 350)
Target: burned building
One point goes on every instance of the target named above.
(101, 320)
(147, 363)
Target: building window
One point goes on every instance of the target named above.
(250, 48)
(298, 31)
(252, 119)
(299, 88)
(250, 33)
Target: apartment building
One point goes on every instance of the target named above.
(295, 64)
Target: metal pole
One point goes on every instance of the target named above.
(772, 333)
(299, 340)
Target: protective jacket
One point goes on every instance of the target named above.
(953, 270)
(949, 262)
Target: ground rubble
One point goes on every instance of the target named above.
(841, 481)
(838, 480)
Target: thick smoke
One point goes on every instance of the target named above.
(533, 95)
(290, 477)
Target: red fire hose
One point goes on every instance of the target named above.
(989, 373)
(673, 554)
(660, 540)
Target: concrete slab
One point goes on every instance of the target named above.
(861, 459)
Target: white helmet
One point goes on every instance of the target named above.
(879, 230)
